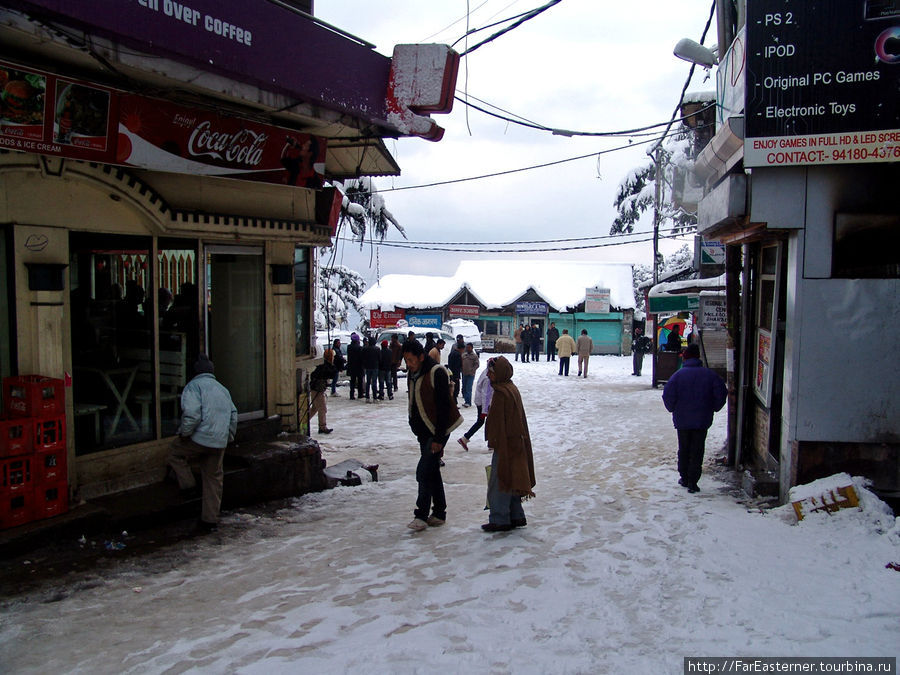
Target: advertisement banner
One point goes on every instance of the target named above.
(465, 311)
(50, 115)
(379, 319)
(162, 136)
(47, 114)
(821, 82)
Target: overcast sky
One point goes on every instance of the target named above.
(584, 65)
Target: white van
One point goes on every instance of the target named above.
(420, 332)
(467, 329)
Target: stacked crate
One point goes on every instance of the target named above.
(33, 477)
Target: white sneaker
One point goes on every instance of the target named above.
(463, 441)
(417, 524)
(434, 521)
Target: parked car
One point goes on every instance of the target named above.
(386, 334)
(467, 329)
(323, 341)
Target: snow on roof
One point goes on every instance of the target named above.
(686, 286)
(708, 96)
(497, 283)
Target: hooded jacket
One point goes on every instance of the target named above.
(506, 433)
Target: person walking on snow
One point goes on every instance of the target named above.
(565, 347)
(512, 464)
(482, 399)
(470, 364)
(208, 425)
(432, 416)
(584, 347)
(384, 372)
(693, 395)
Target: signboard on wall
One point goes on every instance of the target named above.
(822, 82)
(424, 320)
(713, 314)
(532, 308)
(465, 311)
(596, 300)
(379, 319)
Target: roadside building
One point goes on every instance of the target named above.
(164, 186)
(498, 295)
(804, 198)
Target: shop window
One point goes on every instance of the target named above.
(112, 341)
(866, 246)
(301, 301)
(765, 320)
(178, 317)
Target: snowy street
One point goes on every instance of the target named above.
(619, 569)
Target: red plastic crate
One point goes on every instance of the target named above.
(50, 499)
(16, 508)
(49, 466)
(15, 437)
(34, 396)
(49, 433)
(15, 475)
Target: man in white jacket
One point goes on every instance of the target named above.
(208, 425)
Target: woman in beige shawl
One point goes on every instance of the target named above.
(512, 464)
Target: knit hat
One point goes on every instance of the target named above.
(354, 337)
(203, 365)
(384, 343)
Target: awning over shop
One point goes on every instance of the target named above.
(681, 296)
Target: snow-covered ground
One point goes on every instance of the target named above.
(619, 570)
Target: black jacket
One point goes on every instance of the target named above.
(354, 358)
(371, 355)
(385, 358)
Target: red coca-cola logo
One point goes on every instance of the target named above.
(242, 147)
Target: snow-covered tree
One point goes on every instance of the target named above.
(337, 292)
(365, 212)
(636, 193)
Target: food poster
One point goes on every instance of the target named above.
(22, 102)
(82, 115)
(47, 115)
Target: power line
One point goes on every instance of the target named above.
(438, 246)
(525, 168)
(527, 16)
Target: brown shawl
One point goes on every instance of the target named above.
(506, 432)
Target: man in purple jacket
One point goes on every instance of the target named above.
(693, 395)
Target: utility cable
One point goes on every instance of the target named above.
(526, 17)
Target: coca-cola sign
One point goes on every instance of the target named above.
(162, 136)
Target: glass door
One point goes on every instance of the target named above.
(235, 320)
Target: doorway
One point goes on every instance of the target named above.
(235, 335)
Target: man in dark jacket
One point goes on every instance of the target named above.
(432, 416)
(552, 337)
(384, 371)
(371, 356)
(454, 363)
(639, 346)
(526, 343)
(693, 395)
(355, 366)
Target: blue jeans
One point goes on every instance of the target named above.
(431, 486)
(372, 382)
(504, 506)
(467, 381)
(564, 365)
(384, 380)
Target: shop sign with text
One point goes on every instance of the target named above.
(532, 308)
(821, 82)
(379, 319)
(466, 311)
